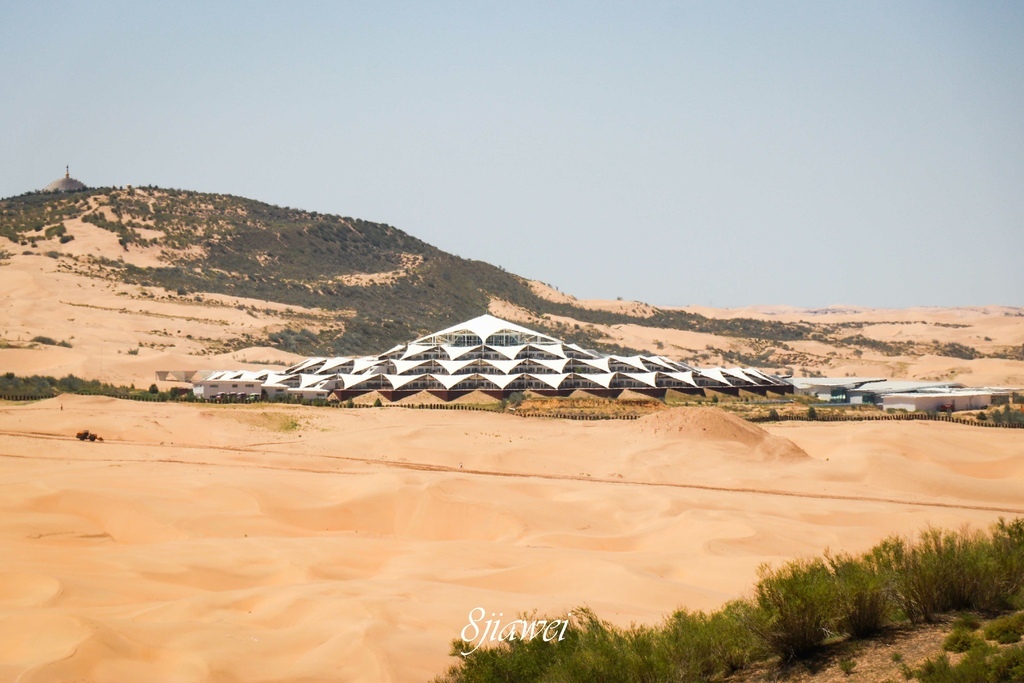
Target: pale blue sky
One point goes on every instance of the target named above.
(803, 153)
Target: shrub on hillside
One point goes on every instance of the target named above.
(980, 665)
(1006, 629)
(961, 640)
(864, 596)
(943, 571)
(967, 622)
(704, 646)
(1007, 551)
(795, 608)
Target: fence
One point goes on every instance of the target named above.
(827, 416)
(581, 416)
(441, 406)
(20, 397)
(823, 415)
(520, 413)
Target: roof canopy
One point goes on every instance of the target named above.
(491, 353)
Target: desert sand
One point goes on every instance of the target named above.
(287, 543)
(281, 543)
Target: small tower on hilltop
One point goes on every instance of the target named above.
(65, 184)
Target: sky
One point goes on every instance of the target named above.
(709, 153)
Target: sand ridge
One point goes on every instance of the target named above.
(718, 425)
(284, 543)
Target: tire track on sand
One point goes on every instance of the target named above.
(426, 467)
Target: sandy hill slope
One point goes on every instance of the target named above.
(282, 543)
(309, 283)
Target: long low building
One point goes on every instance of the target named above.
(490, 355)
(901, 394)
(938, 401)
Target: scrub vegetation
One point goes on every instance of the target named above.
(230, 245)
(38, 386)
(795, 612)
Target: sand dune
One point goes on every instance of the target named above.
(711, 424)
(281, 543)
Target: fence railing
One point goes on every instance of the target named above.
(823, 414)
(827, 416)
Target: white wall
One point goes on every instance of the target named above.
(932, 402)
(209, 389)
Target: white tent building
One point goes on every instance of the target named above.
(497, 357)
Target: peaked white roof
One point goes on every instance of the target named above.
(468, 361)
(484, 326)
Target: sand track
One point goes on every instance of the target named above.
(425, 467)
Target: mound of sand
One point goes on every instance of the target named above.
(631, 396)
(475, 398)
(370, 398)
(716, 424)
(584, 394)
(420, 398)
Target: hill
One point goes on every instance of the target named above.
(346, 286)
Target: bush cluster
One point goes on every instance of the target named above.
(1007, 416)
(981, 664)
(793, 611)
(49, 341)
(45, 387)
(1006, 630)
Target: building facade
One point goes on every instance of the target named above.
(489, 355)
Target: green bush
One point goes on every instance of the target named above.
(1008, 665)
(980, 665)
(967, 621)
(943, 571)
(55, 231)
(705, 646)
(49, 341)
(961, 640)
(44, 387)
(1006, 629)
(864, 596)
(812, 414)
(795, 608)
(601, 653)
(1007, 550)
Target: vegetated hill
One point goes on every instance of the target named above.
(386, 285)
(398, 285)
